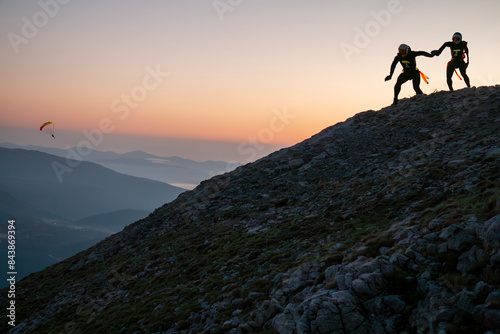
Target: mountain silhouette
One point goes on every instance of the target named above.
(176, 171)
(388, 222)
(77, 189)
(42, 237)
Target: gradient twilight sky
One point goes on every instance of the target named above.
(219, 79)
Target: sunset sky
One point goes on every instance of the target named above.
(223, 79)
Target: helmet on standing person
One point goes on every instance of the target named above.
(403, 49)
(457, 35)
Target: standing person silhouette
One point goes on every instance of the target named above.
(458, 49)
(410, 71)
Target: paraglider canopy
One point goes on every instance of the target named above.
(48, 127)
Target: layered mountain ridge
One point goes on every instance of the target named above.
(388, 222)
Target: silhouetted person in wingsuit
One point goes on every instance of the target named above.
(410, 71)
(458, 49)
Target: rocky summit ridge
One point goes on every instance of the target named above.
(388, 222)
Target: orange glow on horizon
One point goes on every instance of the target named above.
(181, 72)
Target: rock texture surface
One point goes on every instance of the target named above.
(386, 223)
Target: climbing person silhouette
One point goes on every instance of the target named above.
(410, 71)
(458, 49)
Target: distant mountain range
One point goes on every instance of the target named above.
(89, 189)
(42, 238)
(173, 170)
(59, 216)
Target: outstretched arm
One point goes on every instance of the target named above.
(423, 53)
(438, 52)
(393, 67)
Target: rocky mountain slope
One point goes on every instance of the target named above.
(386, 223)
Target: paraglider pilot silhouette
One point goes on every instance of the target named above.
(410, 71)
(458, 49)
(48, 127)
